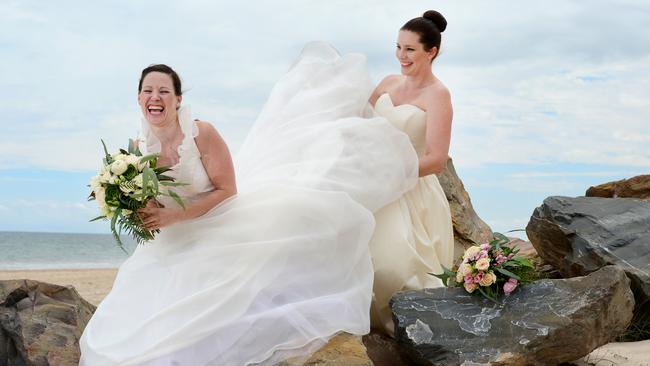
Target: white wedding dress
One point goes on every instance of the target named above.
(282, 267)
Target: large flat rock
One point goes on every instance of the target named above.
(544, 323)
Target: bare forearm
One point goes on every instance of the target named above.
(204, 204)
(431, 164)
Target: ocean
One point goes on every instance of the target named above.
(35, 250)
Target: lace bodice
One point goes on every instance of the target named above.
(189, 168)
(407, 118)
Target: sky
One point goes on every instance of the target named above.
(549, 97)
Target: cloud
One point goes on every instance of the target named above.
(531, 83)
(555, 116)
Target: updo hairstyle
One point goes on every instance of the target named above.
(428, 26)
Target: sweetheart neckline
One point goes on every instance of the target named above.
(400, 105)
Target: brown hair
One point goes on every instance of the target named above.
(428, 26)
(176, 80)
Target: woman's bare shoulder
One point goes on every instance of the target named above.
(207, 133)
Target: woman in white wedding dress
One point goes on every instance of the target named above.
(282, 266)
(414, 234)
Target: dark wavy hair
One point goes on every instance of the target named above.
(428, 27)
(176, 80)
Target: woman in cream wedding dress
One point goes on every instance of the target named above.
(283, 266)
(414, 235)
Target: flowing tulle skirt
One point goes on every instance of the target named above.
(282, 267)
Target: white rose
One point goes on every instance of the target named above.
(459, 276)
(133, 160)
(119, 166)
(483, 264)
(100, 197)
(471, 251)
(465, 269)
(105, 177)
(119, 156)
(470, 287)
(487, 280)
(95, 184)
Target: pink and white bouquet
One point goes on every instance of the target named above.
(490, 268)
(125, 183)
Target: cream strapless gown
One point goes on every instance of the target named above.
(413, 235)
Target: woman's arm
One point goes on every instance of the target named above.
(219, 167)
(383, 87)
(438, 132)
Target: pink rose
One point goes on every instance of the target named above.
(510, 286)
(500, 259)
(485, 246)
(469, 279)
(483, 254)
(478, 277)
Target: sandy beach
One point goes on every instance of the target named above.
(93, 284)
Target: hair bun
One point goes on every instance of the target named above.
(437, 19)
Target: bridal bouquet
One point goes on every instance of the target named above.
(125, 183)
(490, 268)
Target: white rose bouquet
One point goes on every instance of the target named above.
(490, 268)
(125, 183)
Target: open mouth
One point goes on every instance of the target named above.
(406, 64)
(156, 110)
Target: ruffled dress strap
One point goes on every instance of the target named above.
(187, 148)
(189, 169)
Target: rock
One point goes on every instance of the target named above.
(383, 350)
(636, 187)
(580, 235)
(41, 323)
(626, 353)
(343, 350)
(469, 229)
(544, 323)
(526, 248)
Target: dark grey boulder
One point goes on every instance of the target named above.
(544, 323)
(580, 235)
